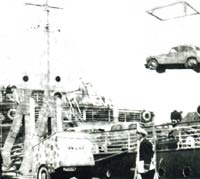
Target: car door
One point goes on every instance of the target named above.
(173, 56)
(190, 52)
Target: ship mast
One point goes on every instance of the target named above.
(47, 30)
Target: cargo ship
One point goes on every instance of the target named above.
(111, 131)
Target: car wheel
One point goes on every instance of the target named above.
(43, 173)
(152, 64)
(191, 63)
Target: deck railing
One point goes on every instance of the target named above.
(114, 141)
(179, 137)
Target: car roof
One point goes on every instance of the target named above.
(182, 47)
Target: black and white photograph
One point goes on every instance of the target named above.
(99, 89)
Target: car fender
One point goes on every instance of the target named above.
(192, 56)
(198, 59)
(161, 59)
(151, 57)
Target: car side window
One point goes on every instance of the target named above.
(197, 48)
(188, 49)
(173, 50)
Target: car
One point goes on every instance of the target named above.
(179, 57)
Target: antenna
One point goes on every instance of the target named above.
(47, 30)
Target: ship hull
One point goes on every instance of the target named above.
(120, 165)
(179, 164)
(171, 164)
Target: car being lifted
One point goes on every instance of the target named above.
(179, 57)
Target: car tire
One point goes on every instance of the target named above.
(43, 173)
(191, 63)
(152, 64)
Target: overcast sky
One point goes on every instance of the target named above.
(105, 42)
